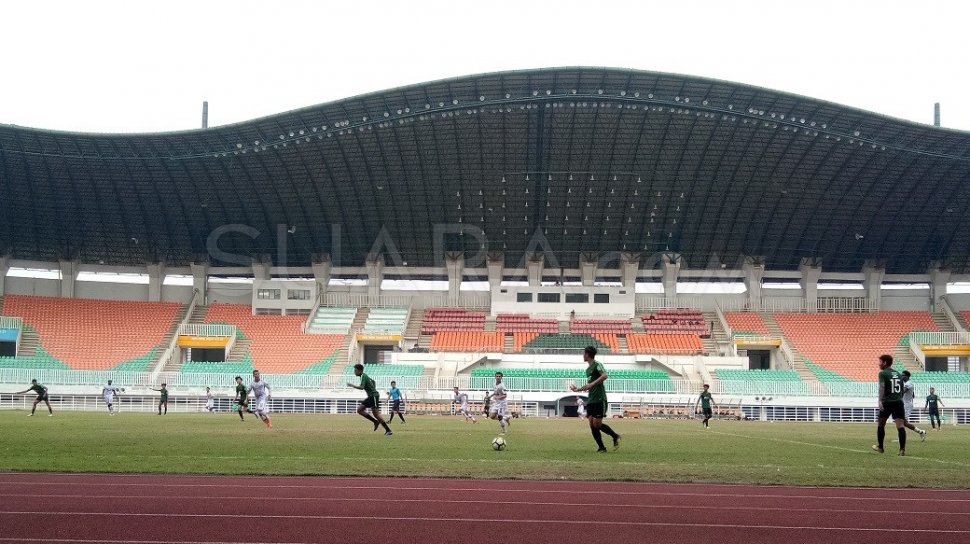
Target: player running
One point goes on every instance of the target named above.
(108, 392)
(372, 401)
(932, 406)
(210, 401)
(262, 392)
(241, 395)
(890, 403)
(394, 394)
(706, 400)
(909, 394)
(41, 391)
(596, 402)
(163, 400)
(461, 400)
(499, 406)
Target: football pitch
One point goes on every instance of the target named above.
(821, 454)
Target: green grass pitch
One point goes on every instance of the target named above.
(437, 446)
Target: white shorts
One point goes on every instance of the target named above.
(463, 409)
(260, 405)
(908, 407)
(499, 407)
(209, 404)
(109, 399)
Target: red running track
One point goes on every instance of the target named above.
(90, 508)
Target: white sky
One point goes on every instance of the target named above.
(140, 66)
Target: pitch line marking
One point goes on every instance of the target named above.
(503, 520)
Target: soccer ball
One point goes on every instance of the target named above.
(499, 443)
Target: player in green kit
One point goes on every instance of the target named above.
(373, 400)
(241, 394)
(162, 400)
(705, 400)
(932, 406)
(890, 403)
(596, 402)
(41, 396)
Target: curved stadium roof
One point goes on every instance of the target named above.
(596, 160)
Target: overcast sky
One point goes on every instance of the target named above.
(139, 66)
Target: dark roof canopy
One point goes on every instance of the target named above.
(572, 160)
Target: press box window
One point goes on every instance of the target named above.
(523, 297)
(298, 294)
(268, 294)
(577, 298)
(601, 298)
(548, 297)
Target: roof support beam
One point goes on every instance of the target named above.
(754, 271)
(811, 270)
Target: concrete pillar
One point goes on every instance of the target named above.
(754, 271)
(629, 268)
(321, 273)
(587, 271)
(261, 268)
(69, 271)
(535, 267)
(939, 277)
(496, 269)
(200, 280)
(811, 270)
(156, 277)
(4, 268)
(873, 274)
(456, 271)
(671, 269)
(375, 275)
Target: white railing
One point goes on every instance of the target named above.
(788, 354)
(206, 329)
(799, 305)
(723, 320)
(172, 347)
(791, 388)
(939, 338)
(8, 322)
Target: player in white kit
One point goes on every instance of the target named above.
(261, 394)
(108, 392)
(210, 401)
(461, 400)
(909, 393)
(499, 408)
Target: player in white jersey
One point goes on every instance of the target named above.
(261, 394)
(108, 392)
(210, 401)
(461, 400)
(909, 393)
(499, 407)
(581, 408)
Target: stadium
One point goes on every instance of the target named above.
(695, 231)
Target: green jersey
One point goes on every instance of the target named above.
(241, 393)
(705, 399)
(597, 393)
(892, 384)
(39, 389)
(933, 402)
(369, 386)
(164, 393)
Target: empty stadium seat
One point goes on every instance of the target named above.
(669, 344)
(747, 323)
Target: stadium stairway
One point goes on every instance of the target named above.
(636, 324)
(718, 339)
(564, 327)
(29, 342)
(799, 363)
(343, 356)
(170, 335)
(943, 322)
(508, 345)
(412, 329)
(489, 323)
(621, 344)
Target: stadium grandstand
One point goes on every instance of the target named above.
(693, 230)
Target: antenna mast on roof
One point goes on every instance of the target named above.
(205, 114)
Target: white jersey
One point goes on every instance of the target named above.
(109, 392)
(500, 392)
(499, 404)
(260, 389)
(909, 393)
(462, 400)
(209, 400)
